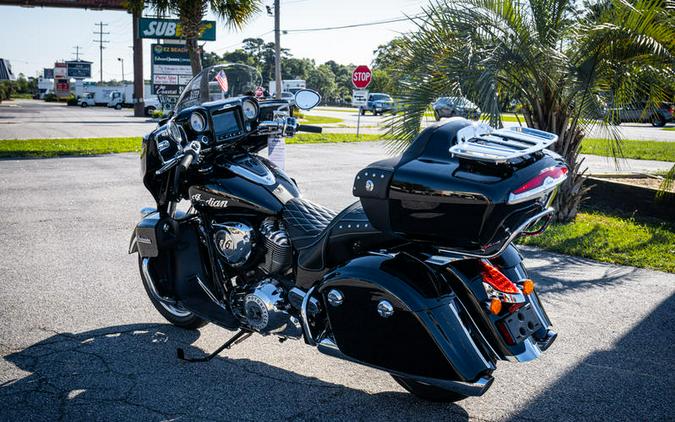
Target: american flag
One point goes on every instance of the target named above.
(221, 77)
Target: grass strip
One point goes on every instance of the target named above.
(322, 138)
(338, 109)
(318, 120)
(45, 148)
(631, 148)
(612, 239)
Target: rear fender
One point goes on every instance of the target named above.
(466, 280)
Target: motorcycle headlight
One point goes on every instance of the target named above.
(197, 121)
(175, 132)
(250, 110)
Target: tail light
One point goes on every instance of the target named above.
(492, 276)
(546, 180)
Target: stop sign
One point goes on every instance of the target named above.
(361, 77)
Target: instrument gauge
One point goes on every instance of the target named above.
(197, 121)
(250, 110)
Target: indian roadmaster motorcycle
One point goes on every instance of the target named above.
(418, 277)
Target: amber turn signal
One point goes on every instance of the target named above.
(495, 306)
(528, 286)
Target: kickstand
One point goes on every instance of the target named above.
(236, 339)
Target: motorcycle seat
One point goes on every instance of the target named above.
(323, 238)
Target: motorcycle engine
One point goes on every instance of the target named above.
(234, 242)
(265, 310)
(277, 246)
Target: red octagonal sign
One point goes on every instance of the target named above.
(361, 77)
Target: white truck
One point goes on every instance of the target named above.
(111, 96)
(288, 85)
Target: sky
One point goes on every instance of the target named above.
(34, 38)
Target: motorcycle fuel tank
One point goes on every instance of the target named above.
(249, 183)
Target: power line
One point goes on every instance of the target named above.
(100, 42)
(355, 25)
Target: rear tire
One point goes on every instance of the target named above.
(428, 392)
(149, 110)
(175, 314)
(84, 105)
(118, 107)
(363, 112)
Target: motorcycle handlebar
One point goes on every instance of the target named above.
(308, 128)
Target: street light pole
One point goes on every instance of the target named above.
(121, 60)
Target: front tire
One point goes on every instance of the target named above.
(175, 314)
(118, 107)
(428, 392)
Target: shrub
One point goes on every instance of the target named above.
(51, 98)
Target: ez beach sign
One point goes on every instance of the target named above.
(171, 29)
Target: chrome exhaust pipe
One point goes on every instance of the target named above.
(151, 284)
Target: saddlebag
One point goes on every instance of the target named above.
(396, 314)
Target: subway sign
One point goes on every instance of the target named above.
(171, 29)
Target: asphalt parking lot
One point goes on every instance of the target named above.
(80, 340)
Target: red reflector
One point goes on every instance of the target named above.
(492, 276)
(539, 180)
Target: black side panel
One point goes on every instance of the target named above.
(425, 335)
(188, 265)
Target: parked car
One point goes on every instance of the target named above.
(288, 96)
(378, 103)
(455, 107)
(151, 104)
(639, 113)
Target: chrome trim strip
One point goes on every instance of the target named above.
(305, 321)
(151, 283)
(267, 179)
(515, 198)
(210, 294)
(476, 388)
(532, 351)
(508, 241)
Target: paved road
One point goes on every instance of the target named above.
(25, 119)
(79, 339)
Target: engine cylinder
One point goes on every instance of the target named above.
(275, 240)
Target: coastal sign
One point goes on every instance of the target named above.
(170, 71)
(172, 29)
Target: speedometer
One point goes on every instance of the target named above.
(197, 121)
(250, 110)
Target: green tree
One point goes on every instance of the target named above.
(557, 61)
(322, 80)
(235, 13)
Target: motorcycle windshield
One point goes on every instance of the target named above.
(219, 82)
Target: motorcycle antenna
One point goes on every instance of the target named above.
(241, 335)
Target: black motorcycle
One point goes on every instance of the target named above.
(418, 277)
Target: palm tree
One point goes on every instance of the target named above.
(565, 65)
(235, 13)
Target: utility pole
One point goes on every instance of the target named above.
(77, 52)
(100, 42)
(277, 50)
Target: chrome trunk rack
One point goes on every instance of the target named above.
(483, 143)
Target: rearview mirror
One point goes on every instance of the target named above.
(307, 99)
